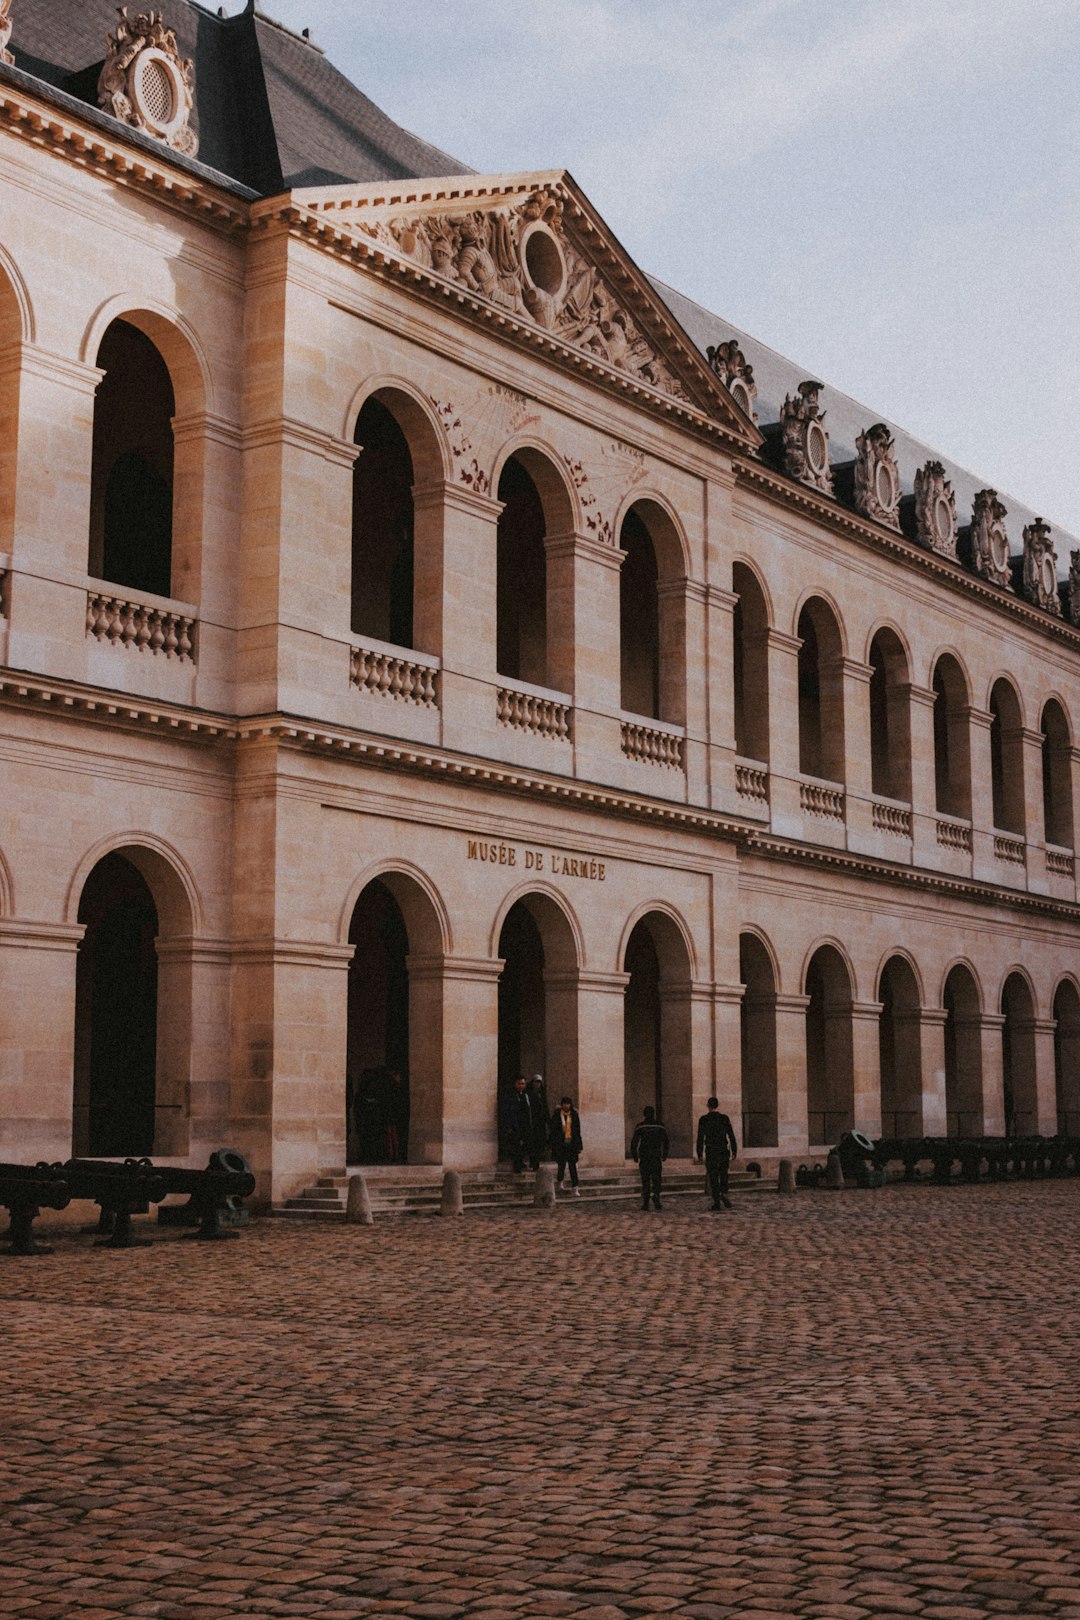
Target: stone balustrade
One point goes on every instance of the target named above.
(825, 800)
(752, 781)
(384, 671)
(530, 709)
(651, 745)
(121, 623)
(1008, 849)
(892, 817)
(1061, 862)
(952, 833)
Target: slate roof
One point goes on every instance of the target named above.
(273, 114)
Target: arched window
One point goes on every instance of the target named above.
(963, 1054)
(757, 1018)
(1067, 1057)
(1018, 1057)
(830, 1063)
(657, 1030)
(1057, 776)
(521, 579)
(890, 718)
(751, 666)
(651, 620)
(952, 739)
(11, 331)
(900, 1050)
(821, 693)
(537, 1008)
(382, 533)
(131, 488)
(1007, 758)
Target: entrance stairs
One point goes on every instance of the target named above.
(417, 1189)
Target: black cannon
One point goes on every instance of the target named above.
(25, 1190)
(214, 1195)
(122, 1190)
(857, 1160)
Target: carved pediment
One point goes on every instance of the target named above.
(1040, 567)
(935, 509)
(877, 477)
(6, 25)
(730, 365)
(989, 541)
(805, 440)
(146, 83)
(532, 248)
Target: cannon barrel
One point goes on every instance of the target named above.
(25, 1190)
(214, 1194)
(122, 1190)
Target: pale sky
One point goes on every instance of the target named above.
(886, 191)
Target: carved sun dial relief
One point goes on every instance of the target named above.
(817, 448)
(542, 260)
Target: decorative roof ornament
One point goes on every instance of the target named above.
(146, 83)
(989, 541)
(1040, 568)
(935, 510)
(1074, 586)
(877, 477)
(806, 443)
(729, 363)
(6, 25)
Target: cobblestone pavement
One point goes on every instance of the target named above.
(836, 1405)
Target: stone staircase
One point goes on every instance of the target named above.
(417, 1189)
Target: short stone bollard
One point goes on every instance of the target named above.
(834, 1176)
(544, 1187)
(358, 1203)
(452, 1201)
(785, 1180)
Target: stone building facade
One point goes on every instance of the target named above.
(427, 644)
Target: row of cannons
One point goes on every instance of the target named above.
(858, 1161)
(121, 1190)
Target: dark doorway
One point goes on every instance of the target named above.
(521, 580)
(131, 495)
(377, 1095)
(383, 522)
(116, 994)
(643, 1053)
(522, 1009)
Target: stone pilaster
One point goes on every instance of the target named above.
(866, 1066)
(584, 652)
(791, 1121)
(37, 975)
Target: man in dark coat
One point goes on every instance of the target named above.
(517, 1124)
(648, 1149)
(565, 1139)
(715, 1137)
(538, 1104)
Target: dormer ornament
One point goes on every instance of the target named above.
(1040, 567)
(877, 477)
(6, 25)
(146, 83)
(989, 542)
(1074, 586)
(806, 443)
(935, 510)
(729, 363)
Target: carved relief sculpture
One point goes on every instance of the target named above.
(146, 83)
(806, 443)
(521, 259)
(6, 25)
(989, 541)
(1040, 567)
(729, 364)
(1074, 586)
(877, 477)
(935, 509)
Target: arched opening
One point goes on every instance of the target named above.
(821, 693)
(521, 579)
(952, 739)
(757, 1029)
(116, 1014)
(537, 1009)
(383, 524)
(11, 336)
(1018, 1057)
(657, 1034)
(750, 631)
(131, 486)
(900, 1050)
(830, 1067)
(1057, 776)
(393, 1076)
(890, 718)
(963, 1054)
(1007, 758)
(1067, 1058)
(639, 620)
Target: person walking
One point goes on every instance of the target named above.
(565, 1139)
(517, 1125)
(648, 1149)
(714, 1138)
